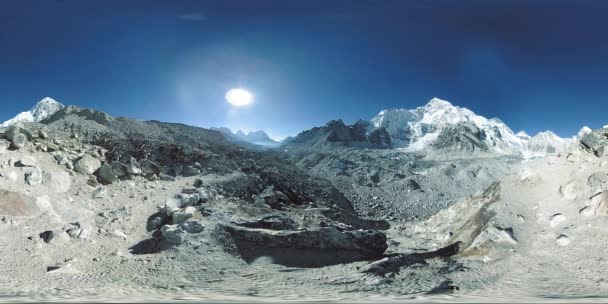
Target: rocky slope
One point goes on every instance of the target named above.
(100, 208)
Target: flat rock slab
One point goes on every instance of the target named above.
(17, 204)
(308, 248)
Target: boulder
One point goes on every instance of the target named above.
(596, 141)
(273, 222)
(597, 180)
(106, 174)
(190, 171)
(17, 204)
(59, 182)
(19, 141)
(183, 215)
(315, 247)
(192, 227)
(133, 167)
(173, 233)
(87, 164)
(150, 167)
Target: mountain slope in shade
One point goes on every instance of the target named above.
(254, 137)
(43, 109)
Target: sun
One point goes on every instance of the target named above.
(239, 97)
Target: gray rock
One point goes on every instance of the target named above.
(165, 177)
(596, 141)
(59, 182)
(198, 183)
(19, 141)
(133, 167)
(87, 164)
(597, 180)
(74, 232)
(173, 233)
(273, 222)
(33, 175)
(183, 215)
(190, 171)
(150, 167)
(329, 243)
(192, 226)
(27, 161)
(106, 174)
(47, 236)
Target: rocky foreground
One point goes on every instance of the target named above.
(94, 207)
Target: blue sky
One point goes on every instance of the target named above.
(535, 64)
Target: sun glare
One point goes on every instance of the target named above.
(239, 97)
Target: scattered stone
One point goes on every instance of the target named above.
(192, 226)
(597, 180)
(198, 183)
(570, 190)
(19, 141)
(106, 174)
(26, 161)
(190, 171)
(557, 219)
(596, 141)
(133, 167)
(59, 182)
(33, 175)
(562, 240)
(99, 193)
(47, 236)
(183, 215)
(273, 222)
(165, 177)
(74, 232)
(87, 164)
(173, 233)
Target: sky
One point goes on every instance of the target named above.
(535, 64)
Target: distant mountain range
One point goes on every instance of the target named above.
(259, 137)
(438, 125)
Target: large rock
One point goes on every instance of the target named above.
(87, 164)
(273, 222)
(183, 215)
(316, 247)
(17, 204)
(59, 182)
(106, 174)
(596, 141)
(173, 233)
(16, 136)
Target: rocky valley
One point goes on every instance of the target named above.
(430, 204)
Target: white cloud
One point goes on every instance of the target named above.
(192, 17)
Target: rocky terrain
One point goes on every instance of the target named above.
(99, 208)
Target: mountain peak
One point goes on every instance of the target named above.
(43, 109)
(438, 103)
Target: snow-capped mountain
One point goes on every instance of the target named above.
(439, 124)
(254, 137)
(43, 109)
